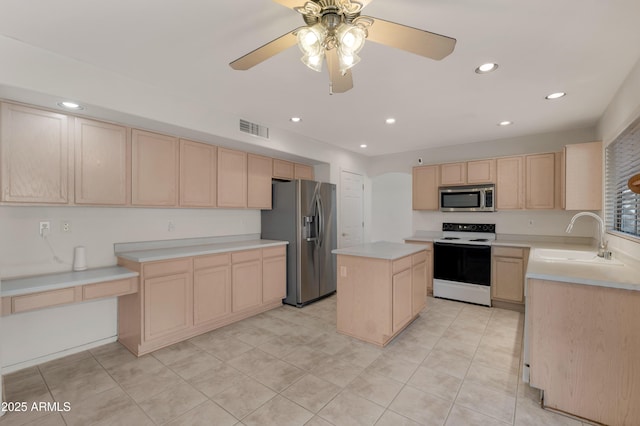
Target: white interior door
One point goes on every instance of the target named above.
(351, 209)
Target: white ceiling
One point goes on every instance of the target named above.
(583, 47)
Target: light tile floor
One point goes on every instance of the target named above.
(456, 365)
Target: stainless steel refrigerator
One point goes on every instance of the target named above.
(304, 213)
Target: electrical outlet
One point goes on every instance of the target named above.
(171, 227)
(65, 226)
(531, 223)
(45, 228)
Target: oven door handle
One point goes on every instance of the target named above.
(470, 246)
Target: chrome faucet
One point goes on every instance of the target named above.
(602, 245)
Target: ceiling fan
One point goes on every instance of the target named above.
(335, 31)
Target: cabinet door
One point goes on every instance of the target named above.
(401, 294)
(274, 279)
(540, 181)
(509, 183)
(481, 171)
(155, 164)
(303, 171)
(282, 169)
(211, 294)
(198, 174)
(246, 285)
(167, 305)
(418, 287)
(453, 174)
(34, 150)
(259, 182)
(232, 178)
(425, 188)
(102, 163)
(508, 279)
(583, 176)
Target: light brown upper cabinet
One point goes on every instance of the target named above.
(425, 187)
(34, 150)
(102, 163)
(303, 171)
(510, 183)
(481, 171)
(583, 176)
(232, 178)
(282, 169)
(198, 174)
(453, 174)
(154, 164)
(540, 181)
(259, 182)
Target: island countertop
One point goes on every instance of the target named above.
(381, 250)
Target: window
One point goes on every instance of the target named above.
(622, 162)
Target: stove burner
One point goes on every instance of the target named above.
(450, 238)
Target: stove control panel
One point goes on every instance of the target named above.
(469, 227)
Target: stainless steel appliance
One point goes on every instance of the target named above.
(462, 262)
(474, 198)
(304, 214)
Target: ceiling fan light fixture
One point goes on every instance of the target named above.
(351, 37)
(314, 62)
(311, 39)
(347, 60)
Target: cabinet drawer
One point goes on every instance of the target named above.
(508, 251)
(419, 258)
(45, 299)
(401, 264)
(109, 289)
(245, 256)
(210, 261)
(273, 251)
(166, 267)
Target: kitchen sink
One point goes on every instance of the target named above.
(581, 256)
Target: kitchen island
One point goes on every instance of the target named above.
(382, 287)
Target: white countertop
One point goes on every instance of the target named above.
(19, 286)
(620, 273)
(381, 250)
(196, 250)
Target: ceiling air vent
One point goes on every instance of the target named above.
(254, 129)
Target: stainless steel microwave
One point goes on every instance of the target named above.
(474, 198)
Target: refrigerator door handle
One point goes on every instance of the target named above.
(320, 220)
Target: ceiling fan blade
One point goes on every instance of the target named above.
(263, 53)
(291, 3)
(338, 82)
(420, 42)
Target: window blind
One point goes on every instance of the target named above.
(622, 162)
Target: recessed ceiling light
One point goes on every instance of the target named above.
(70, 105)
(295, 119)
(364, 145)
(486, 68)
(555, 95)
(390, 120)
(505, 123)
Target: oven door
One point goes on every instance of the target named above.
(464, 263)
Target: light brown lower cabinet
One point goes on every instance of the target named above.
(378, 298)
(428, 263)
(508, 269)
(181, 298)
(584, 346)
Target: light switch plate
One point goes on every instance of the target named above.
(343, 271)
